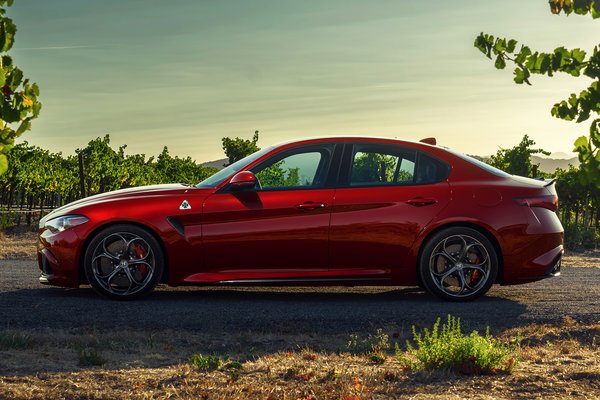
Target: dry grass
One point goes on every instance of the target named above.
(589, 259)
(556, 362)
(18, 245)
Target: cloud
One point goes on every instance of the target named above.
(54, 48)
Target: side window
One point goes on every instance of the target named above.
(300, 170)
(382, 165)
(430, 170)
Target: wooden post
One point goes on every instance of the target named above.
(81, 180)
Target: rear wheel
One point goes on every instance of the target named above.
(123, 262)
(458, 264)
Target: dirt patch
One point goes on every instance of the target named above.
(589, 259)
(18, 245)
(556, 362)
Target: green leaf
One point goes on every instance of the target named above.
(9, 114)
(500, 63)
(523, 54)
(3, 164)
(596, 9)
(581, 7)
(581, 145)
(14, 79)
(35, 89)
(481, 44)
(578, 55)
(6, 61)
(522, 75)
(7, 33)
(595, 132)
(37, 106)
(25, 126)
(531, 61)
(573, 100)
(519, 76)
(510, 47)
(544, 63)
(2, 77)
(499, 46)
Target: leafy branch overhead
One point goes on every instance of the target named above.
(19, 104)
(575, 62)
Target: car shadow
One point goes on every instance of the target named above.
(264, 319)
(328, 310)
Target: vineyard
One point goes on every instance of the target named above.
(38, 181)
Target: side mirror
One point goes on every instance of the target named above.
(243, 180)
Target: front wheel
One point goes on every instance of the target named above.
(123, 262)
(458, 264)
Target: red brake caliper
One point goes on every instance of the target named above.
(475, 273)
(140, 252)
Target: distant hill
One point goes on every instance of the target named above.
(218, 164)
(550, 164)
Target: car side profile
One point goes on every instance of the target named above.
(327, 211)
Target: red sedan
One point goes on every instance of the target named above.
(332, 211)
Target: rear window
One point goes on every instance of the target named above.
(430, 170)
(480, 164)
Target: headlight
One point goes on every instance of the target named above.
(61, 223)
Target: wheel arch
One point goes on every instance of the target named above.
(479, 228)
(148, 229)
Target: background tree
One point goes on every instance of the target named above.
(19, 97)
(236, 149)
(517, 161)
(578, 107)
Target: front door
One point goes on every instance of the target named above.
(277, 231)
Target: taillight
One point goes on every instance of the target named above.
(550, 202)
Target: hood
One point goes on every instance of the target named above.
(151, 190)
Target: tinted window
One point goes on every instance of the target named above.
(480, 164)
(301, 169)
(381, 165)
(430, 170)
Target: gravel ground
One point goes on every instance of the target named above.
(25, 304)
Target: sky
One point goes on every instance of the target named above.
(185, 73)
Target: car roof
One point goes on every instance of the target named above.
(376, 139)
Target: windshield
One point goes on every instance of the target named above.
(480, 164)
(217, 178)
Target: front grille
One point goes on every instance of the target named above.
(46, 268)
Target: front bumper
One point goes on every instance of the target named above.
(58, 259)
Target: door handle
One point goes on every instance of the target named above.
(310, 205)
(421, 201)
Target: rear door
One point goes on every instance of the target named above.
(386, 196)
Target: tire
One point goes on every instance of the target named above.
(123, 262)
(458, 264)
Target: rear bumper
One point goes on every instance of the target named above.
(547, 265)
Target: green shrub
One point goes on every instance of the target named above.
(13, 341)
(579, 237)
(450, 349)
(206, 363)
(213, 362)
(372, 344)
(90, 357)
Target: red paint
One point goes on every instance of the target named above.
(360, 235)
